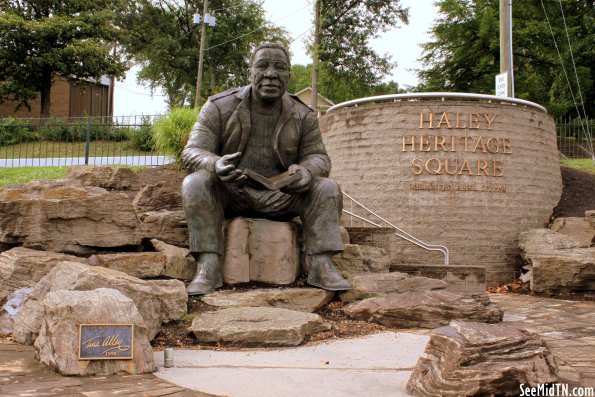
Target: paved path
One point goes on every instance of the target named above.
(23, 376)
(378, 364)
(568, 327)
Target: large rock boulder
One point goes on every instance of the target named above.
(472, 359)
(23, 267)
(118, 178)
(429, 309)
(179, 262)
(63, 311)
(579, 228)
(137, 264)
(161, 196)
(300, 299)
(571, 270)
(372, 285)
(165, 225)
(358, 259)
(158, 301)
(65, 216)
(260, 250)
(539, 241)
(256, 326)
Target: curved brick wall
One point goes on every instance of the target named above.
(468, 175)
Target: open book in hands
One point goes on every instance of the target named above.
(275, 182)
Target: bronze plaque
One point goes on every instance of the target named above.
(106, 341)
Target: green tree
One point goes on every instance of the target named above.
(349, 67)
(163, 39)
(464, 55)
(42, 39)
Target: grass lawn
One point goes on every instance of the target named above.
(579, 164)
(19, 175)
(48, 149)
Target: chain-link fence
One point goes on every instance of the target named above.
(573, 137)
(74, 141)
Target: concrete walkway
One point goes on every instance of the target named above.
(375, 365)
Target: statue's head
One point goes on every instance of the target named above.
(269, 71)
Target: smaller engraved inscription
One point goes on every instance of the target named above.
(106, 341)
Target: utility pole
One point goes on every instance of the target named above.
(314, 99)
(201, 53)
(506, 44)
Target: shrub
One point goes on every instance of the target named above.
(13, 131)
(172, 131)
(141, 138)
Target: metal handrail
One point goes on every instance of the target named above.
(398, 232)
(432, 95)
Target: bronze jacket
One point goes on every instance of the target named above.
(223, 127)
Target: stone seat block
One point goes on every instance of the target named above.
(260, 250)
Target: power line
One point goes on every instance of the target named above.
(567, 79)
(137, 93)
(578, 84)
(256, 30)
(309, 29)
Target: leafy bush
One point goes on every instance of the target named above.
(13, 131)
(141, 138)
(172, 131)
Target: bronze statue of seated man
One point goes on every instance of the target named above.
(262, 128)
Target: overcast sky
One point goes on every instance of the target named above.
(296, 17)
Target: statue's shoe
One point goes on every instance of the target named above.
(323, 274)
(206, 281)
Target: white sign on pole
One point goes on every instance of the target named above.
(502, 84)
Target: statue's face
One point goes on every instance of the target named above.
(269, 74)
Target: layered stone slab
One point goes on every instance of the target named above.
(357, 259)
(256, 326)
(58, 341)
(460, 279)
(372, 285)
(260, 250)
(473, 359)
(136, 264)
(539, 241)
(557, 264)
(300, 299)
(579, 228)
(118, 178)
(169, 226)
(158, 197)
(429, 309)
(23, 267)
(65, 216)
(570, 270)
(179, 262)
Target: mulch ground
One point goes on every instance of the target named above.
(578, 196)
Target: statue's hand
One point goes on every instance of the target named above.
(226, 169)
(301, 185)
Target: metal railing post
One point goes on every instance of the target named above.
(88, 141)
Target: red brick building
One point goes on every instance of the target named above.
(68, 99)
